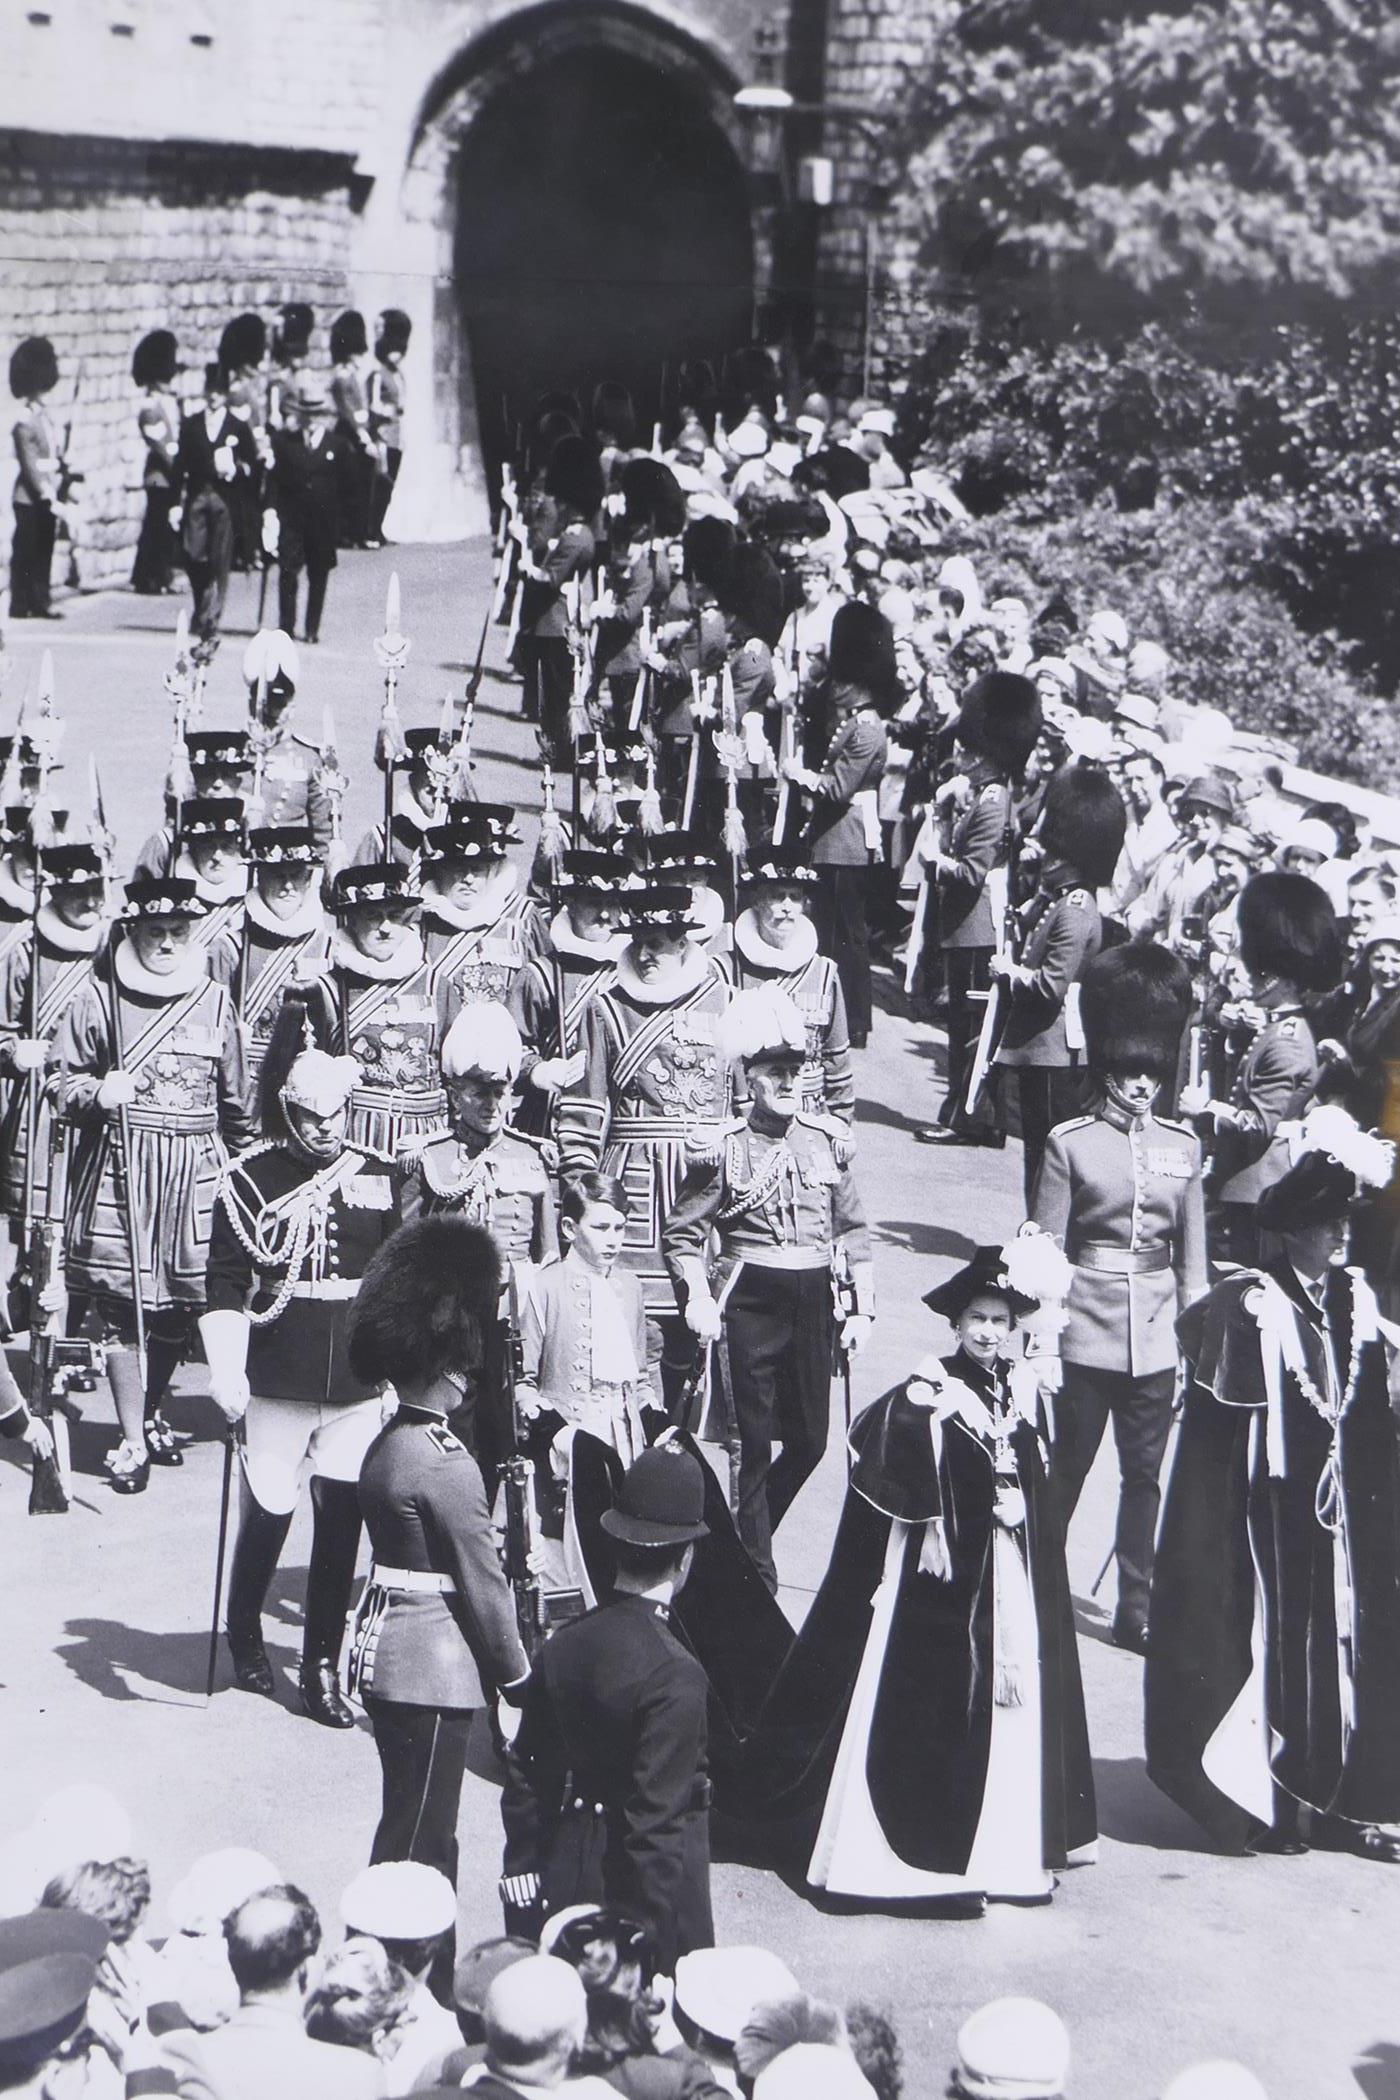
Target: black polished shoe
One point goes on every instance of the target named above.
(252, 1672)
(944, 1134)
(320, 1696)
(1130, 1634)
(1279, 1844)
(161, 1447)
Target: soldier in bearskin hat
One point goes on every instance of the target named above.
(154, 365)
(387, 400)
(557, 567)
(33, 374)
(158, 1085)
(1291, 947)
(349, 400)
(775, 943)
(1081, 834)
(971, 830)
(298, 1219)
(291, 350)
(1120, 1189)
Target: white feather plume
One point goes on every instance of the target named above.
(1035, 1265)
(761, 1019)
(1370, 1160)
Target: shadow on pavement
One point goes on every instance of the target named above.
(1378, 2071)
(1132, 1812)
(98, 1651)
(917, 1238)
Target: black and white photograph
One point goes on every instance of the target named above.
(700, 1050)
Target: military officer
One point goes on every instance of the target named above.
(478, 927)
(297, 1220)
(776, 1188)
(354, 471)
(607, 1790)
(1121, 1190)
(294, 781)
(775, 943)
(219, 763)
(556, 568)
(284, 938)
(654, 1077)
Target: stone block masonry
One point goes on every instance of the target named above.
(103, 239)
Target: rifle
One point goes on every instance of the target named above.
(843, 1299)
(68, 478)
(57, 1365)
(999, 997)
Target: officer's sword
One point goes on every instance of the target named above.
(225, 1497)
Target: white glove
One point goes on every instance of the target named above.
(1192, 1100)
(1010, 1507)
(117, 1090)
(855, 1332)
(225, 465)
(27, 1053)
(703, 1317)
(225, 1338)
(230, 1395)
(934, 1557)
(271, 532)
(177, 516)
(39, 1438)
(1050, 1375)
(553, 1074)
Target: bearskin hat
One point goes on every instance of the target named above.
(1084, 821)
(1000, 719)
(654, 498)
(836, 469)
(293, 333)
(614, 413)
(787, 518)
(244, 341)
(395, 328)
(757, 597)
(575, 474)
(862, 649)
(709, 554)
(1134, 1000)
(750, 381)
(153, 361)
(348, 336)
(1288, 929)
(424, 1303)
(33, 368)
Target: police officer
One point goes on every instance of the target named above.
(436, 1633)
(607, 1790)
(776, 1187)
(1121, 1190)
(297, 1219)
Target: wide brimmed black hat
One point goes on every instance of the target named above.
(162, 897)
(622, 753)
(212, 817)
(790, 865)
(348, 336)
(426, 736)
(282, 846)
(1288, 929)
(660, 910)
(671, 852)
(1084, 821)
(984, 1275)
(1316, 1190)
(33, 368)
(72, 867)
(243, 342)
(1133, 1001)
(1000, 719)
(460, 844)
(373, 882)
(661, 1501)
(219, 750)
(395, 329)
(155, 359)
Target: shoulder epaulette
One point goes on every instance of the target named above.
(546, 1147)
(413, 1150)
(706, 1150)
(1080, 896)
(1074, 1123)
(841, 1136)
(444, 1441)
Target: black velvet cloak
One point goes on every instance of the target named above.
(1224, 1510)
(926, 1762)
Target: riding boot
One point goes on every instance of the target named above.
(335, 1545)
(261, 1537)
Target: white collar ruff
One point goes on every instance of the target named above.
(309, 918)
(763, 955)
(486, 907)
(696, 967)
(393, 969)
(70, 940)
(570, 947)
(133, 976)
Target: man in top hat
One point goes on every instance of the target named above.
(420, 799)
(775, 943)
(154, 364)
(582, 943)
(1290, 946)
(387, 399)
(477, 922)
(654, 1080)
(283, 940)
(1121, 1191)
(974, 837)
(775, 1189)
(213, 856)
(1273, 1677)
(220, 765)
(376, 1003)
(1081, 834)
(34, 374)
(607, 1792)
(39, 979)
(215, 446)
(297, 1219)
(294, 782)
(158, 1087)
(309, 461)
(1186, 871)
(350, 401)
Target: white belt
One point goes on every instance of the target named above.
(421, 1580)
(328, 1287)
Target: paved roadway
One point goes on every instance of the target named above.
(1159, 1955)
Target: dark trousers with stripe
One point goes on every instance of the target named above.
(777, 1356)
(422, 1759)
(840, 909)
(1141, 1412)
(966, 971)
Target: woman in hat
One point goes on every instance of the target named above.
(928, 1725)
(1186, 871)
(158, 1085)
(154, 364)
(1273, 1678)
(33, 374)
(775, 942)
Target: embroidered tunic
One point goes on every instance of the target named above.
(389, 1025)
(65, 965)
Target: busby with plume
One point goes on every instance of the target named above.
(1084, 821)
(1289, 930)
(1000, 720)
(1134, 1000)
(155, 359)
(244, 342)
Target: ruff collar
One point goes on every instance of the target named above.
(393, 969)
(696, 966)
(70, 940)
(133, 976)
(494, 898)
(310, 918)
(569, 948)
(764, 956)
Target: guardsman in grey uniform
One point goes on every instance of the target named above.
(297, 1220)
(607, 1796)
(775, 943)
(776, 1188)
(154, 364)
(1291, 946)
(1081, 832)
(220, 765)
(975, 819)
(436, 1634)
(1121, 1190)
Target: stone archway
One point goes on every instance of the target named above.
(574, 208)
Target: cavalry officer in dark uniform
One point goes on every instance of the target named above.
(297, 1220)
(777, 1189)
(1121, 1190)
(436, 1634)
(607, 1790)
(308, 462)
